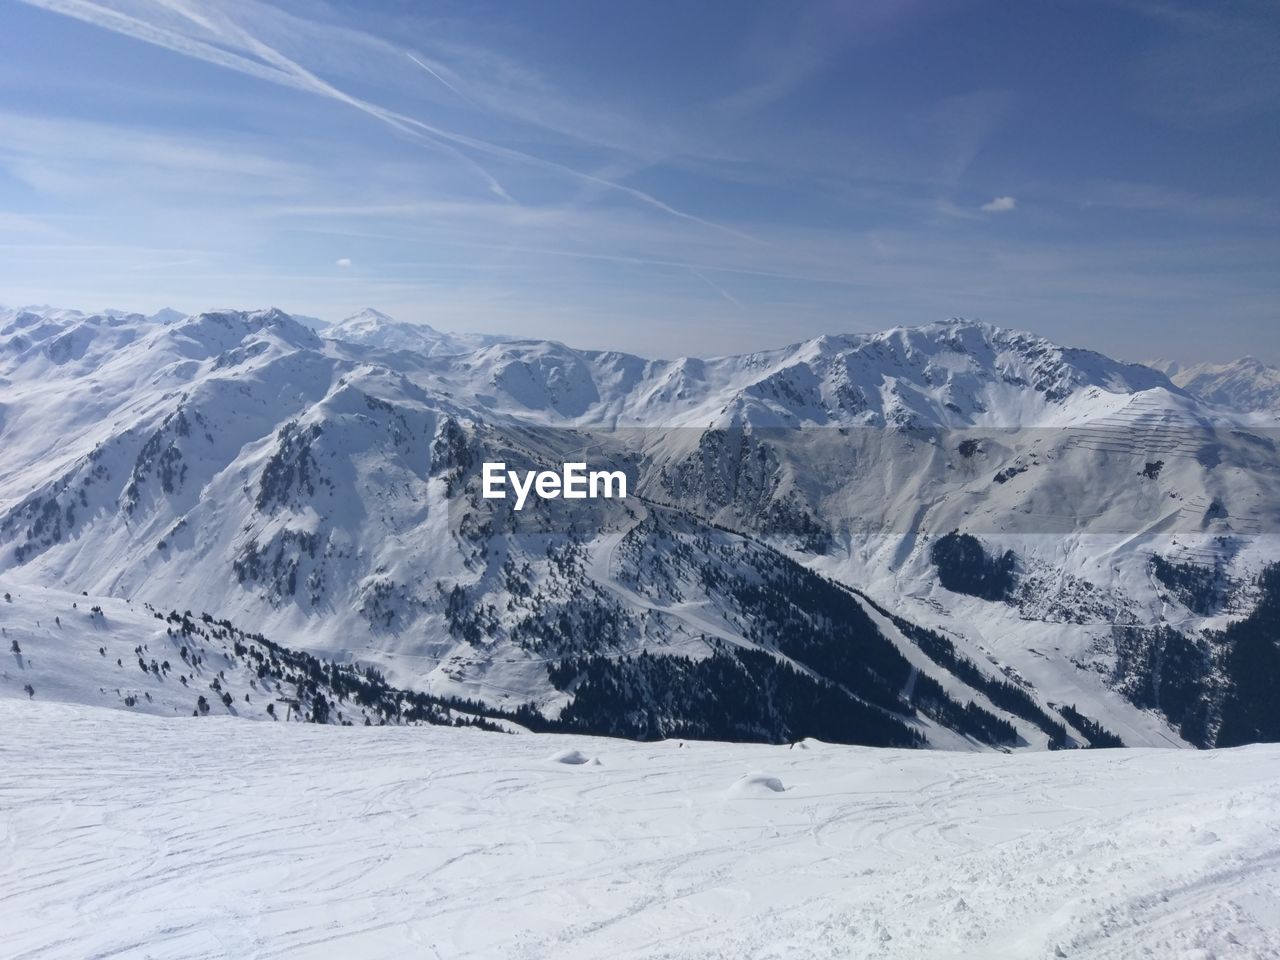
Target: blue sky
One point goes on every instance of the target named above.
(659, 177)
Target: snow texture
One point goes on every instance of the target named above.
(135, 836)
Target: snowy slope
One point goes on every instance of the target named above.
(70, 648)
(557, 627)
(135, 836)
(104, 652)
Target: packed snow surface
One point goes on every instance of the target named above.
(125, 835)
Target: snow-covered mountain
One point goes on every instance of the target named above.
(373, 328)
(1247, 384)
(953, 534)
(44, 311)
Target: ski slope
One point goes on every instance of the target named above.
(127, 836)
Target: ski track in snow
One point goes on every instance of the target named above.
(127, 836)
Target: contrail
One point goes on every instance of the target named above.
(715, 286)
(437, 76)
(279, 69)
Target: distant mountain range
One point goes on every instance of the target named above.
(375, 329)
(1246, 384)
(954, 535)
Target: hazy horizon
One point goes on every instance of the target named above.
(765, 347)
(663, 180)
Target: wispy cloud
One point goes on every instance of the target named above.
(1155, 198)
(790, 50)
(84, 156)
(214, 37)
(1000, 205)
(1210, 63)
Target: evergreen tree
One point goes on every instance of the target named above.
(319, 709)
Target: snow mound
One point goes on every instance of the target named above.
(756, 785)
(575, 758)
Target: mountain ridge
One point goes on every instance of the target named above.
(322, 489)
(1246, 384)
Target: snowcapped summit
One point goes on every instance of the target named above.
(225, 329)
(167, 315)
(947, 374)
(373, 316)
(1246, 384)
(373, 328)
(370, 320)
(44, 310)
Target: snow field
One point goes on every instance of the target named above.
(124, 835)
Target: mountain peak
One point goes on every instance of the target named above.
(167, 315)
(369, 313)
(219, 330)
(371, 316)
(1247, 384)
(372, 328)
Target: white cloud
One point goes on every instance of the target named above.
(1000, 205)
(343, 262)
